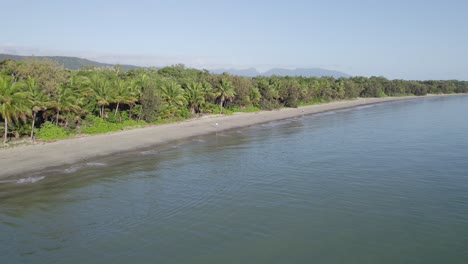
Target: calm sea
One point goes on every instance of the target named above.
(385, 183)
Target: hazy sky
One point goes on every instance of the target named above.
(396, 39)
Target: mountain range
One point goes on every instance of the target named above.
(72, 63)
(75, 63)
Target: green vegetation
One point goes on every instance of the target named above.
(43, 96)
(94, 125)
(72, 63)
(49, 131)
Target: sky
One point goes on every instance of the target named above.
(395, 39)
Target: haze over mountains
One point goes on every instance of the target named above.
(306, 72)
(75, 63)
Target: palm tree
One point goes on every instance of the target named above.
(274, 90)
(173, 94)
(38, 99)
(102, 92)
(80, 84)
(14, 103)
(194, 96)
(123, 94)
(255, 96)
(136, 89)
(65, 101)
(224, 91)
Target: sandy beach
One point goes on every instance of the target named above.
(25, 159)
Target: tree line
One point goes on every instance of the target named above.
(40, 95)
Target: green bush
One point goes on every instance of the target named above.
(215, 109)
(184, 112)
(49, 131)
(246, 109)
(210, 108)
(96, 125)
(382, 94)
(124, 116)
(117, 118)
(132, 123)
(113, 118)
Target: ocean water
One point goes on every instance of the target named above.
(385, 183)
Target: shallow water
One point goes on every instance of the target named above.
(386, 183)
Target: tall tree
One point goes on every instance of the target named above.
(255, 96)
(38, 100)
(138, 85)
(224, 92)
(123, 94)
(173, 97)
(194, 96)
(47, 73)
(173, 94)
(66, 100)
(14, 103)
(102, 92)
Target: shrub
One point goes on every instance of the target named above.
(124, 115)
(382, 94)
(210, 108)
(95, 125)
(246, 109)
(49, 131)
(113, 118)
(131, 123)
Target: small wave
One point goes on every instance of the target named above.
(8, 181)
(150, 152)
(364, 106)
(30, 180)
(277, 123)
(345, 110)
(325, 113)
(199, 140)
(77, 167)
(354, 108)
(73, 168)
(96, 164)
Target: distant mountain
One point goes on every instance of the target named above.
(250, 72)
(306, 72)
(72, 63)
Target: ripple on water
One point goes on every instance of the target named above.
(365, 106)
(29, 180)
(277, 123)
(150, 152)
(75, 168)
(96, 164)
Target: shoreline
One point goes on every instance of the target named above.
(37, 157)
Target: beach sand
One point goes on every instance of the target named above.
(25, 159)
